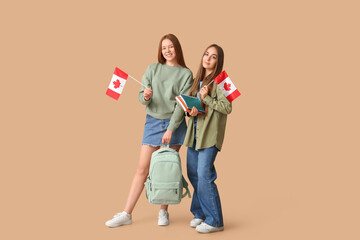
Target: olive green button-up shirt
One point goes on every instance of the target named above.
(210, 130)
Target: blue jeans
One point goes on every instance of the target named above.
(202, 174)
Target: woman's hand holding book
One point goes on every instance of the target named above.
(194, 112)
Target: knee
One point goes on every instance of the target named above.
(142, 172)
(203, 175)
(206, 175)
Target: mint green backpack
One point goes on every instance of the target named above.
(165, 182)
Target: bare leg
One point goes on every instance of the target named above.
(177, 148)
(140, 177)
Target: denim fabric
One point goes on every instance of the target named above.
(154, 130)
(202, 175)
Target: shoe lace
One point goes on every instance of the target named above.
(163, 215)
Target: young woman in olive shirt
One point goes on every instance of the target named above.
(204, 138)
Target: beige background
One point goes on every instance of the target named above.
(289, 168)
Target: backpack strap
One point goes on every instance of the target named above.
(185, 185)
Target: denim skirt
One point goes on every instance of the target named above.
(155, 128)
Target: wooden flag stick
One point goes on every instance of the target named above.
(137, 81)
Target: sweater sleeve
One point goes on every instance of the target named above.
(179, 114)
(146, 80)
(221, 104)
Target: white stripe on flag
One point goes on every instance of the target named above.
(229, 84)
(113, 84)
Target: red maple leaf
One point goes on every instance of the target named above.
(227, 86)
(116, 83)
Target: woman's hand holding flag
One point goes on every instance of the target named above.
(147, 94)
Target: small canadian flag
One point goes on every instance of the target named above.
(117, 84)
(227, 86)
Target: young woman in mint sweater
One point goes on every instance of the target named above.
(204, 138)
(164, 120)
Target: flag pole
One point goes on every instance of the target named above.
(210, 82)
(137, 81)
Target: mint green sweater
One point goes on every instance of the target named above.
(166, 82)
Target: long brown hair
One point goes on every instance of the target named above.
(200, 75)
(178, 50)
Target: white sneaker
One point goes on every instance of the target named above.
(119, 219)
(163, 218)
(195, 222)
(206, 228)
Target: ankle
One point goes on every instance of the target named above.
(127, 212)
